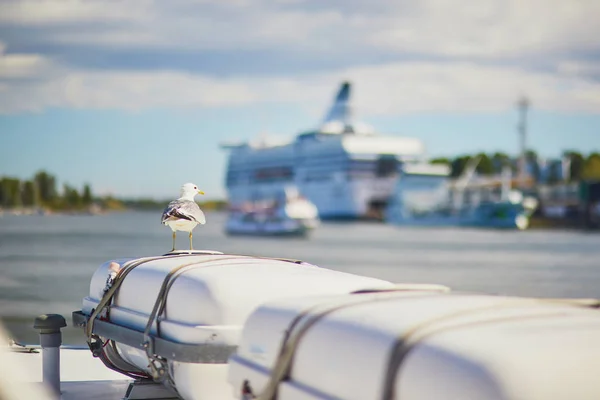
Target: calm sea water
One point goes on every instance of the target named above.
(46, 262)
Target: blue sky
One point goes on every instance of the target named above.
(103, 92)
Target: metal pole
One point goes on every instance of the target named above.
(523, 106)
(49, 326)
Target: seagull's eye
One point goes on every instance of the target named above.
(195, 188)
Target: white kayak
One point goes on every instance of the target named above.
(178, 317)
(419, 345)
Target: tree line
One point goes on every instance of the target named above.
(41, 192)
(152, 204)
(580, 167)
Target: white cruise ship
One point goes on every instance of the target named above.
(346, 169)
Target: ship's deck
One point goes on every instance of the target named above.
(82, 377)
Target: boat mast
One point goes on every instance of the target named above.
(523, 107)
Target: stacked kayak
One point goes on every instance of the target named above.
(176, 319)
(419, 345)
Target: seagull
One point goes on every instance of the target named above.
(184, 214)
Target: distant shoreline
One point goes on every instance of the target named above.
(96, 209)
(28, 211)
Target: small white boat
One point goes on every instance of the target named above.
(288, 214)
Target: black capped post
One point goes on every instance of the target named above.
(49, 326)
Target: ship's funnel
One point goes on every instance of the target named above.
(340, 111)
(340, 118)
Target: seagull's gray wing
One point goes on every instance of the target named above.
(183, 209)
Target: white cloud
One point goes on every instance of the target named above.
(456, 87)
(579, 68)
(21, 65)
(393, 88)
(474, 52)
(491, 28)
(51, 12)
(119, 90)
(139, 90)
(486, 28)
(224, 29)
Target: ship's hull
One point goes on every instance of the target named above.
(334, 199)
(513, 218)
(289, 227)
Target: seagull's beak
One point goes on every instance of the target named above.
(200, 192)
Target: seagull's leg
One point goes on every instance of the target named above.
(173, 249)
(191, 241)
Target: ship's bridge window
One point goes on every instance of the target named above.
(236, 177)
(317, 177)
(361, 165)
(273, 174)
(360, 169)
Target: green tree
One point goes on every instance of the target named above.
(577, 164)
(485, 165)
(71, 197)
(46, 185)
(531, 155)
(11, 192)
(499, 161)
(591, 168)
(29, 194)
(441, 160)
(554, 172)
(86, 198)
(458, 165)
(3, 194)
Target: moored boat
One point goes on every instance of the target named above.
(287, 214)
(425, 195)
(344, 167)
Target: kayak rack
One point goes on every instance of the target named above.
(203, 353)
